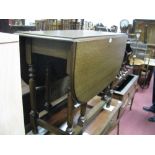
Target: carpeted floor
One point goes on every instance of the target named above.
(135, 122)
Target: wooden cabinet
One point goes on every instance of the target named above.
(107, 120)
(146, 28)
(125, 93)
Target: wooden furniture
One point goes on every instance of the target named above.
(105, 121)
(146, 28)
(142, 62)
(11, 110)
(125, 93)
(147, 68)
(101, 124)
(83, 62)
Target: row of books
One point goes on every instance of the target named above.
(61, 24)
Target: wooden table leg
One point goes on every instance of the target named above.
(69, 129)
(118, 127)
(33, 113)
(32, 86)
(47, 89)
(81, 119)
(118, 118)
(131, 104)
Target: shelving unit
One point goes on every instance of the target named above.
(62, 24)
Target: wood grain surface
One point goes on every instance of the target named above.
(105, 120)
(93, 58)
(97, 63)
(65, 35)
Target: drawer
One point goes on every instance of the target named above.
(124, 105)
(123, 92)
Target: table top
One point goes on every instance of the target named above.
(94, 49)
(68, 35)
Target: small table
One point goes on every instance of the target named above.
(92, 60)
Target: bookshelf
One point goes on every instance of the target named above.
(59, 24)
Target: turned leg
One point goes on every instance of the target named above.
(33, 113)
(118, 127)
(69, 113)
(118, 119)
(47, 90)
(131, 103)
(82, 114)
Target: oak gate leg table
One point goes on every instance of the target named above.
(92, 59)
